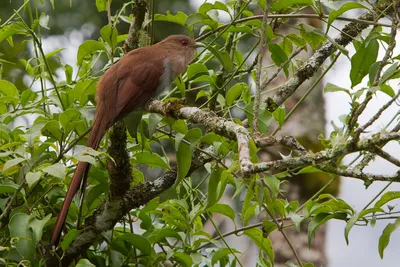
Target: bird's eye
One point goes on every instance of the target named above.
(184, 42)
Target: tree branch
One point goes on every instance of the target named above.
(312, 65)
(113, 210)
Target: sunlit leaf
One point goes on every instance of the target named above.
(385, 237)
(345, 7)
(150, 159)
(362, 60)
(87, 48)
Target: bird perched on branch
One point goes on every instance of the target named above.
(139, 76)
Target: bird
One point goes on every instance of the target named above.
(128, 85)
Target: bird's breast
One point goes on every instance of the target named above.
(167, 78)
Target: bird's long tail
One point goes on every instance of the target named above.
(98, 130)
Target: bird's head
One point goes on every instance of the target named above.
(181, 46)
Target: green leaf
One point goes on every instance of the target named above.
(8, 89)
(385, 237)
(264, 117)
(273, 183)
(204, 8)
(68, 119)
(179, 18)
(297, 40)
(215, 178)
(281, 4)
(308, 169)
(183, 259)
(8, 188)
(184, 151)
(85, 262)
(234, 92)
(392, 72)
(279, 115)
(180, 83)
(262, 242)
(52, 53)
(248, 198)
(32, 178)
(151, 160)
(87, 48)
(101, 5)
(268, 227)
(355, 218)
(132, 122)
(195, 69)
(287, 46)
(52, 129)
(154, 119)
(313, 36)
(387, 89)
(68, 238)
(329, 88)
(223, 209)
(137, 241)
(345, 7)
(242, 29)
(5, 132)
(320, 219)
(385, 198)
(184, 160)
(158, 235)
(200, 18)
(19, 228)
(349, 225)
(36, 226)
(27, 96)
(44, 20)
(220, 254)
(223, 57)
(12, 162)
(249, 213)
(110, 35)
(362, 60)
(56, 170)
(278, 56)
(10, 30)
(372, 72)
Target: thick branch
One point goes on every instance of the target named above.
(237, 132)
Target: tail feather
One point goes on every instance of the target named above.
(98, 130)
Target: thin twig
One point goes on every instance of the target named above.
(284, 236)
(357, 112)
(383, 154)
(7, 210)
(261, 51)
(316, 82)
(295, 53)
(378, 114)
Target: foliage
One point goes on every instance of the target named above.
(40, 122)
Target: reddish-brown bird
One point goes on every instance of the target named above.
(140, 75)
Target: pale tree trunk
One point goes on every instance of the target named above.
(306, 124)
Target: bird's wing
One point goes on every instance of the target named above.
(137, 84)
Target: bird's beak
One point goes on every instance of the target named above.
(198, 44)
